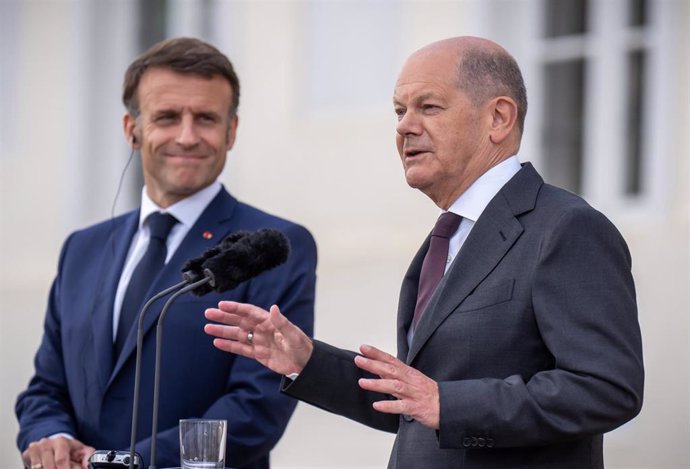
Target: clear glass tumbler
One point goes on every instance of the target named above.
(202, 443)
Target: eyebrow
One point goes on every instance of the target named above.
(420, 98)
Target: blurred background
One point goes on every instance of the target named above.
(609, 119)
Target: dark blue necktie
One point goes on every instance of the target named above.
(434, 265)
(144, 274)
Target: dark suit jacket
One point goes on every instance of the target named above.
(532, 336)
(77, 389)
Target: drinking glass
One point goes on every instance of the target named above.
(202, 443)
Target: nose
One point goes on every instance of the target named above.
(187, 135)
(409, 124)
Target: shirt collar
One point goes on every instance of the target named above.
(474, 200)
(186, 210)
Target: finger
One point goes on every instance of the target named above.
(389, 370)
(233, 346)
(292, 333)
(31, 456)
(243, 310)
(223, 332)
(47, 457)
(85, 453)
(372, 352)
(217, 315)
(61, 453)
(391, 407)
(393, 387)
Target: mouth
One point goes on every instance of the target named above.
(186, 157)
(414, 152)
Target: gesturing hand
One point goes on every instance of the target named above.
(269, 338)
(417, 394)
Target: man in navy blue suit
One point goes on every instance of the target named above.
(181, 97)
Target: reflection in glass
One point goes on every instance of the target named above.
(565, 17)
(563, 123)
(634, 129)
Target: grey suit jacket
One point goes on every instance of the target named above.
(532, 336)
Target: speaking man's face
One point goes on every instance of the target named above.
(440, 135)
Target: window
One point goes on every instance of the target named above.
(594, 65)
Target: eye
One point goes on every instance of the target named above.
(400, 112)
(430, 108)
(207, 119)
(164, 119)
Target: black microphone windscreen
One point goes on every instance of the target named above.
(246, 258)
(193, 271)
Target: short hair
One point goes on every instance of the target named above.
(182, 55)
(485, 74)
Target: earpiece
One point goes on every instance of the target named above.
(134, 140)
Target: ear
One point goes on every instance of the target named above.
(232, 132)
(503, 118)
(129, 124)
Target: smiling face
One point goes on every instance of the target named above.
(183, 132)
(442, 137)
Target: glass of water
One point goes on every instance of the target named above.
(202, 443)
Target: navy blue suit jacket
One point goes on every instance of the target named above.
(79, 390)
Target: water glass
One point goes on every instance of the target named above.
(202, 443)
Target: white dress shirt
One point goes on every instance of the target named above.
(474, 200)
(187, 211)
(472, 203)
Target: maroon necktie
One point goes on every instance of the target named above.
(434, 265)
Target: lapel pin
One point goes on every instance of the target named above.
(207, 235)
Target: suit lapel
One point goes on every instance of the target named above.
(115, 251)
(408, 298)
(215, 219)
(492, 236)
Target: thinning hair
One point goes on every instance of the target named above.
(182, 55)
(485, 74)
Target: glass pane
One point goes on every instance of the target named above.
(638, 12)
(563, 123)
(152, 19)
(634, 129)
(565, 17)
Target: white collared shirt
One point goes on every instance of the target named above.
(187, 211)
(474, 200)
(472, 203)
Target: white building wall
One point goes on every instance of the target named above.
(315, 144)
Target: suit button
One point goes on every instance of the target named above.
(481, 442)
(408, 418)
(474, 441)
(467, 442)
(489, 442)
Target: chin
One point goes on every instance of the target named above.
(415, 180)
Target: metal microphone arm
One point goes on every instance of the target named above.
(137, 367)
(156, 376)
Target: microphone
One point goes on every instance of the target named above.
(192, 272)
(239, 257)
(247, 257)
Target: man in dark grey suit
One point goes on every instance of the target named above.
(526, 348)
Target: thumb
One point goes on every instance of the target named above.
(292, 333)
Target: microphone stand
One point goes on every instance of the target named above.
(137, 368)
(156, 376)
